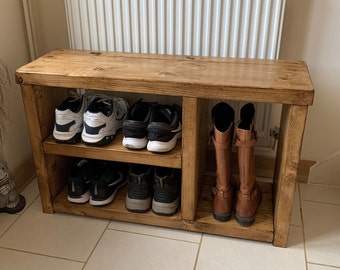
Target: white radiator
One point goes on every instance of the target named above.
(222, 28)
(226, 28)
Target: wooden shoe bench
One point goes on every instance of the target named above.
(46, 81)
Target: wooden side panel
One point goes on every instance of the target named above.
(193, 152)
(292, 127)
(39, 108)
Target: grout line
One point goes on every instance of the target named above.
(303, 227)
(152, 235)
(95, 246)
(41, 254)
(198, 251)
(19, 215)
(325, 265)
(328, 203)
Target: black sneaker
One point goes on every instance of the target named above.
(108, 180)
(135, 124)
(166, 191)
(165, 128)
(138, 198)
(78, 182)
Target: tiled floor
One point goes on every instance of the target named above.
(33, 240)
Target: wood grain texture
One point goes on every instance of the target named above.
(293, 121)
(276, 81)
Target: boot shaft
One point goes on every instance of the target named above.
(245, 142)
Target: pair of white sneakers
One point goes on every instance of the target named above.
(96, 123)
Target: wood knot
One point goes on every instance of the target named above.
(96, 53)
(166, 74)
(19, 80)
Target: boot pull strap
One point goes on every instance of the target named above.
(240, 143)
(218, 145)
(221, 193)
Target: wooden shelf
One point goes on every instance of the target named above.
(262, 229)
(116, 152)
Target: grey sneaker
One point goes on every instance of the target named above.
(138, 198)
(166, 191)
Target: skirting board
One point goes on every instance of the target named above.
(24, 174)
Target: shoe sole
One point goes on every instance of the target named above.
(136, 205)
(109, 199)
(96, 140)
(134, 143)
(245, 221)
(67, 137)
(81, 199)
(222, 217)
(165, 209)
(162, 147)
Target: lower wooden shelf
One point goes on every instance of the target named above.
(262, 229)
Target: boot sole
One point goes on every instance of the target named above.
(222, 217)
(245, 221)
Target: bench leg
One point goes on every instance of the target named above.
(292, 127)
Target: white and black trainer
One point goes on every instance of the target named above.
(78, 181)
(164, 128)
(69, 119)
(103, 117)
(135, 125)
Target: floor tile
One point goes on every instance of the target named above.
(6, 220)
(156, 231)
(228, 253)
(31, 192)
(60, 235)
(321, 267)
(319, 193)
(11, 260)
(322, 232)
(122, 250)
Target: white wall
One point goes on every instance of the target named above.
(14, 51)
(311, 33)
(49, 27)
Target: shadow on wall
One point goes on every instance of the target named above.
(295, 29)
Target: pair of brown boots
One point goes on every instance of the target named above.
(249, 194)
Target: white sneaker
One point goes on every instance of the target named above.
(102, 119)
(69, 119)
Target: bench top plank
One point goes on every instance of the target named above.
(273, 81)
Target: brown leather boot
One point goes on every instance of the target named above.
(223, 119)
(249, 195)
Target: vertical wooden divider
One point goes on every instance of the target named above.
(292, 127)
(193, 154)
